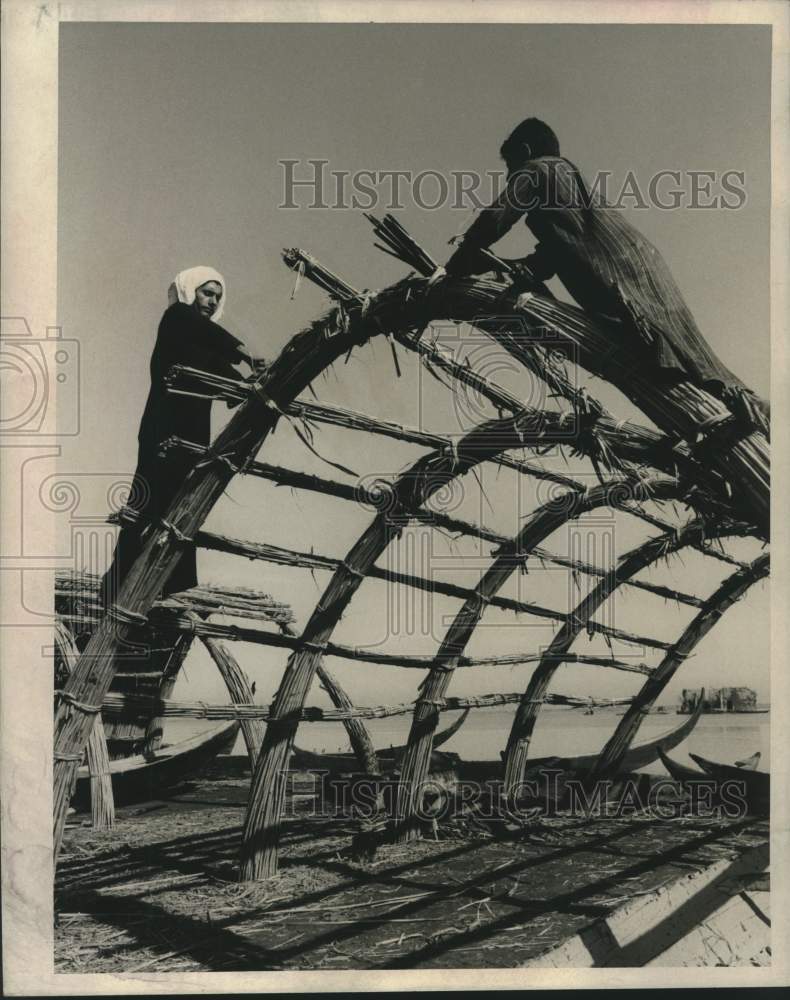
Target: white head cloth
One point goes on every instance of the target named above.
(187, 282)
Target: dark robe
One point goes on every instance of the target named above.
(606, 264)
(185, 337)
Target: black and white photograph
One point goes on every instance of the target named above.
(387, 499)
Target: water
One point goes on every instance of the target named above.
(724, 738)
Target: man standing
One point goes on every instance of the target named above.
(189, 334)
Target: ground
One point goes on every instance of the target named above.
(160, 892)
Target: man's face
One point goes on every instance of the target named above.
(207, 298)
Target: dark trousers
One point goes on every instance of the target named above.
(156, 484)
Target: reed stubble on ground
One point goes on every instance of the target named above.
(161, 893)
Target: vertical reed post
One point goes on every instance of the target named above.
(261, 832)
(356, 730)
(358, 734)
(102, 801)
(155, 729)
(238, 686)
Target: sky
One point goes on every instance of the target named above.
(171, 140)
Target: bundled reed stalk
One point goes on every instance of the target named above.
(729, 591)
(433, 360)
(535, 428)
(306, 265)
(547, 429)
(154, 732)
(742, 465)
(644, 555)
(400, 245)
(311, 560)
(240, 602)
(216, 600)
(433, 689)
(183, 380)
(248, 712)
(359, 494)
(185, 610)
(624, 442)
(240, 691)
(234, 633)
(102, 802)
(678, 410)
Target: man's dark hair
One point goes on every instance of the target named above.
(529, 139)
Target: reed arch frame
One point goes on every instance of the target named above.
(679, 410)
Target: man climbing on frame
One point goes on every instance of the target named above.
(606, 264)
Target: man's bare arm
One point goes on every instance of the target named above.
(492, 224)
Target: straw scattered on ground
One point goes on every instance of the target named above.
(160, 893)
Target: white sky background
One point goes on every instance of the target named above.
(170, 137)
